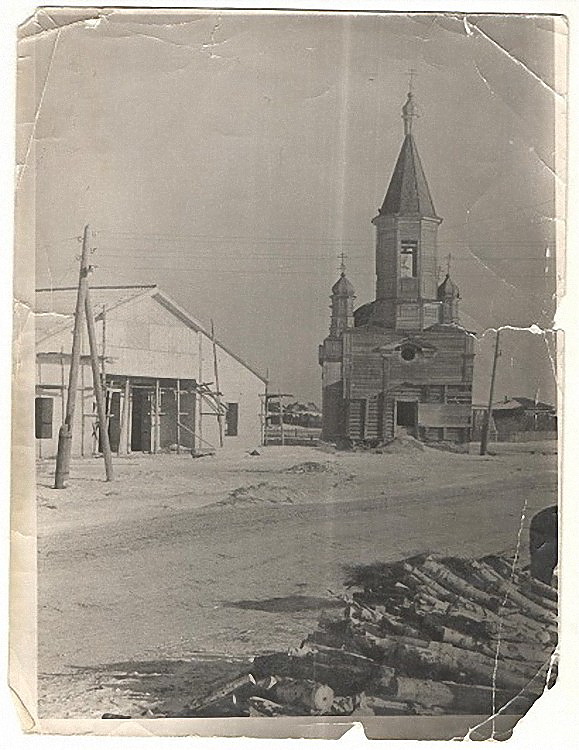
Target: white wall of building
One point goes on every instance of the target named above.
(144, 339)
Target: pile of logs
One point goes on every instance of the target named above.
(422, 636)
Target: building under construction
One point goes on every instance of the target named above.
(170, 386)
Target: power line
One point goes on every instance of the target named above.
(142, 243)
(288, 258)
(128, 235)
(301, 272)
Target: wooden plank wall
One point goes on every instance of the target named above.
(451, 365)
(373, 416)
(442, 377)
(357, 419)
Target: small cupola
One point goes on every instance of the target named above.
(343, 287)
(448, 288)
(343, 296)
(449, 295)
(409, 112)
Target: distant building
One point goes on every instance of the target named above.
(158, 367)
(517, 419)
(303, 415)
(400, 363)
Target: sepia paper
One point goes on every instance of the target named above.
(226, 162)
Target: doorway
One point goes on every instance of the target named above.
(406, 417)
(141, 419)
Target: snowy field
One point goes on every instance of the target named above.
(156, 586)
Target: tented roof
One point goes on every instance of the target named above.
(408, 193)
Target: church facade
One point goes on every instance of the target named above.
(402, 363)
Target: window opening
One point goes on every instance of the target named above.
(43, 408)
(231, 419)
(408, 260)
(408, 353)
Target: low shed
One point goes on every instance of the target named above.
(517, 419)
(160, 367)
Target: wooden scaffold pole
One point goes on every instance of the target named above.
(198, 436)
(266, 408)
(124, 430)
(178, 409)
(157, 417)
(98, 389)
(281, 422)
(218, 393)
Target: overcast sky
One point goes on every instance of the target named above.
(231, 157)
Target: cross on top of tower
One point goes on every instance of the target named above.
(409, 109)
(342, 267)
(448, 265)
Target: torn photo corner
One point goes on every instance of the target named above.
(287, 369)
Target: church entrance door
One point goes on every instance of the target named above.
(406, 417)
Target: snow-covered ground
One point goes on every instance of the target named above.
(156, 585)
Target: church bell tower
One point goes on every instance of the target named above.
(406, 243)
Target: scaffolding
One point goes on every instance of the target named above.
(274, 411)
(166, 404)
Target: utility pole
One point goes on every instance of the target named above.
(98, 387)
(65, 432)
(486, 424)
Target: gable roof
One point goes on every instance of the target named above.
(55, 310)
(61, 300)
(519, 403)
(526, 403)
(408, 193)
(54, 306)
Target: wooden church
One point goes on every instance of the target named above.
(402, 363)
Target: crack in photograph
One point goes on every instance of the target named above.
(287, 370)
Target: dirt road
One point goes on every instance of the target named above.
(164, 581)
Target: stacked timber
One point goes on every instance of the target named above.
(422, 636)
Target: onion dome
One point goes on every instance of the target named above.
(448, 288)
(343, 287)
